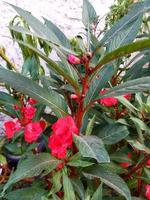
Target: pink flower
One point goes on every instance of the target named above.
(73, 60)
(108, 101)
(62, 137)
(148, 163)
(125, 164)
(28, 112)
(147, 193)
(127, 96)
(32, 101)
(33, 130)
(11, 127)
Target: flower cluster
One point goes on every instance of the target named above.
(62, 137)
(111, 101)
(147, 193)
(32, 130)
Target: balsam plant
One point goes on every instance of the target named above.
(96, 131)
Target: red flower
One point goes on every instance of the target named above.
(62, 138)
(32, 101)
(28, 112)
(127, 96)
(108, 101)
(73, 60)
(148, 163)
(33, 130)
(11, 127)
(147, 193)
(125, 164)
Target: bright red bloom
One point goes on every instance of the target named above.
(125, 164)
(11, 127)
(32, 101)
(148, 163)
(127, 96)
(147, 193)
(73, 60)
(28, 112)
(33, 130)
(62, 137)
(108, 101)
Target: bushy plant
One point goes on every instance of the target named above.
(81, 129)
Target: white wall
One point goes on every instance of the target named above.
(64, 13)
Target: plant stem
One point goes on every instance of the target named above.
(138, 167)
(5, 57)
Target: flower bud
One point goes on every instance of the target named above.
(73, 60)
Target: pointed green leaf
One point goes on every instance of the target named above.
(68, 188)
(36, 24)
(93, 147)
(58, 33)
(123, 51)
(98, 82)
(29, 193)
(32, 89)
(32, 166)
(88, 13)
(125, 22)
(98, 193)
(113, 133)
(109, 178)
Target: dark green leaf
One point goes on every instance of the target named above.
(126, 21)
(68, 188)
(98, 193)
(30, 88)
(32, 166)
(109, 178)
(58, 33)
(113, 133)
(6, 98)
(79, 188)
(98, 82)
(92, 146)
(123, 51)
(30, 193)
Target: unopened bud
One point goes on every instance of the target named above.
(73, 60)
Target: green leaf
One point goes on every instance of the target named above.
(88, 13)
(98, 82)
(52, 65)
(79, 163)
(68, 188)
(140, 124)
(98, 193)
(124, 25)
(127, 104)
(59, 34)
(36, 24)
(133, 86)
(31, 68)
(90, 125)
(32, 166)
(92, 146)
(113, 133)
(109, 178)
(79, 188)
(30, 193)
(127, 35)
(7, 99)
(123, 51)
(30, 88)
(137, 69)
